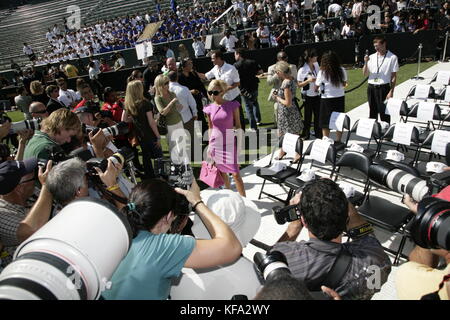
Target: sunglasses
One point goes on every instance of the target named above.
(214, 93)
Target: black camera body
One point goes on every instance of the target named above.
(178, 176)
(286, 214)
(122, 156)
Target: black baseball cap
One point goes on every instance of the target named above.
(12, 171)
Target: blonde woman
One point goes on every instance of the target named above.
(223, 117)
(38, 93)
(288, 115)
(139, 111)
(183, 52)
(168, 105)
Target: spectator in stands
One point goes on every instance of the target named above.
(263, 35)
(326, 213)
(16, 187)
(334, 9)
(27, 50)
(199, 47)
(168, 52)
(120, 62)
(155, 257)
(38, 110)
(319, 29)
(229, 41)
(423, 23)
(67, 97)
(183, 52)
(37, 92)
(331, 81)
(104, 66)
(306, 77)
(248, 71)
(295, 35)
(23, 101)
(53, 104)
(57, 129)
(357, 9)
(70, 70)
(15, 66)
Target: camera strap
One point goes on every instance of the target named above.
(339, 269)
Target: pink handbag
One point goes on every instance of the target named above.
(210, 175)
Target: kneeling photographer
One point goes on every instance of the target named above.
(156, 257)
(323, 209)
(429, 261)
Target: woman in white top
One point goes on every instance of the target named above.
(306, 76)
(330, 83)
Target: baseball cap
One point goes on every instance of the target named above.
(239, 213)
(12, 171)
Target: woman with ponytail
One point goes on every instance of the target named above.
(155, 257)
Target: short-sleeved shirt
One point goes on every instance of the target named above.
(173, 117)
(305, 72)
(229, 74)
(414, 280)
(152, 261)
(327, 89)
(381, 67)
(144, 131)
(229, 43)
(39, 145)
(67, 97)
(23, 102)
(10, 217)
(71, 71)
(312, 260)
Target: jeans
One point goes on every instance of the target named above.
(252, 108)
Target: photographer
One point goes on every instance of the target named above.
(59, 128)
(326, 213)
(68, 181)
(426, 267)
(16, 187)
(156, 257)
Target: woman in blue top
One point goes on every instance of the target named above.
(156, 257)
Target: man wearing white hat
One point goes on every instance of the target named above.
(244, 219)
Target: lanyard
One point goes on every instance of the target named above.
(382, 61)
(313, 70)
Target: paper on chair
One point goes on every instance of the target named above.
(425, 111)
(403, 133)
(319, 150)
(443, 77)
(365, 128)
(447, 95)
(337, 121)
(422, 91)
(393, 106)
(289, 143)
(440, 140)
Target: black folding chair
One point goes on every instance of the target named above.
(345, 126)
(282, 175)
(413, 112)
(375, 136)
(412, 92)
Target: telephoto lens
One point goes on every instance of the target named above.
(119, 129)
(271, 265)
(33, 124)
(72, 257)
(430, 228)
(122, 156)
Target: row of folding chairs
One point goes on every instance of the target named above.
(379, 211)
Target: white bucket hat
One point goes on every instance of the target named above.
(239, 213)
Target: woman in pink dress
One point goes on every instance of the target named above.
(223, 118)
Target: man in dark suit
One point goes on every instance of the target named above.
(53, 104)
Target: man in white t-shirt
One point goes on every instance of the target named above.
(319, 29)
(199, 47)
(334, 10)
(263, 34)
(382, 68)
(229, 41)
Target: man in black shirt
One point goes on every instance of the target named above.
(296, 34)
(248, 71)
(150, 75)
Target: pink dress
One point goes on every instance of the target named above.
(222, 142)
